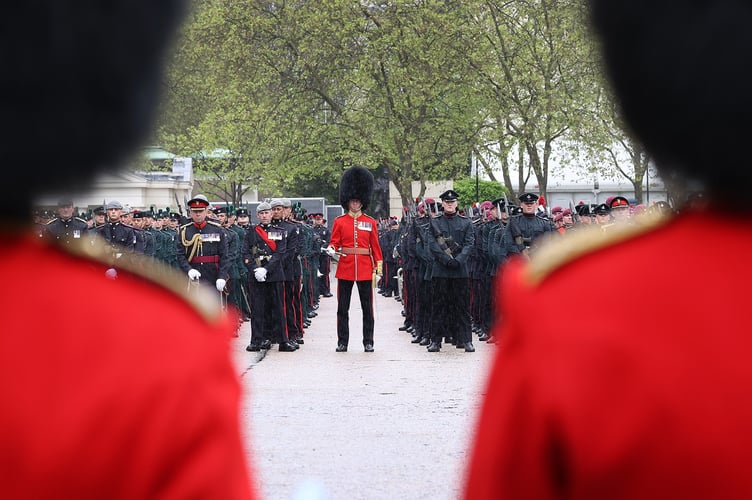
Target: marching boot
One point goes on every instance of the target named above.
(287, 347)
(469, 347)
(434, 347)
(425, 341)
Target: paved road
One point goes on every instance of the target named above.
(393, 424)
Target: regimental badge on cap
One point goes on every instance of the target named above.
(619, 202)
(602, 209)
(528, 198)
(199, 202)
(449, 195)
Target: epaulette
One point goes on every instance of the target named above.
(202, 301)
(555, 254)
(214, 223)
(50, 222)
(80, 219)
(184, 225)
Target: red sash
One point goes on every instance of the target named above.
(272, 244)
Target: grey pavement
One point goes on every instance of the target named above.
(396, 423)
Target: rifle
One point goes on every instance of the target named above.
(445, 243)
(575, 214)
(180, 208)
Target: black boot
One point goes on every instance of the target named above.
(434, 347)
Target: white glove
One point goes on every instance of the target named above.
(221, 284)
(194, 274)
(111, 273)
(260, 273)
(330, 252)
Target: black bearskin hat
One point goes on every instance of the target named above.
(356, 184)
(681, 71)
(79, 87)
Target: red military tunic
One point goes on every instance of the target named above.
(98, 402)
(647, 393)
(361, 232)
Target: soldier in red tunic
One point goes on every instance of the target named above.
(97, 403)
(649, 398)
(355, 239)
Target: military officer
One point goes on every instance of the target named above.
(620, 209)
(263, 253)
(121, 237)
(603, 215)
(319, 226)
(290, 261)
(355, 238)
(450, 238)
(202, 247)
(65, 228)
(526, 230)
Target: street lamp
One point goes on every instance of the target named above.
(596, 190)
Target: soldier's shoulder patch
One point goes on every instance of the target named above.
(153, 271)
(556, 254)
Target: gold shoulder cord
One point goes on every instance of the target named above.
(195, 243)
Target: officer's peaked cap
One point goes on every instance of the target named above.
(198, 202)
(449, 195)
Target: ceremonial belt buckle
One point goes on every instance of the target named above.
(205, 259)
(356, 251)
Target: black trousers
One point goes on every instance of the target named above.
(424, 308)
(344, 293)
(268, 306)
(324, 268)
(291, 315)
(451, 309)
(409, 294)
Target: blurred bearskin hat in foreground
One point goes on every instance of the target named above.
(79, 87)
(356, 184)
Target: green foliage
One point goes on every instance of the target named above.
(296, 92)
(486, 190)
